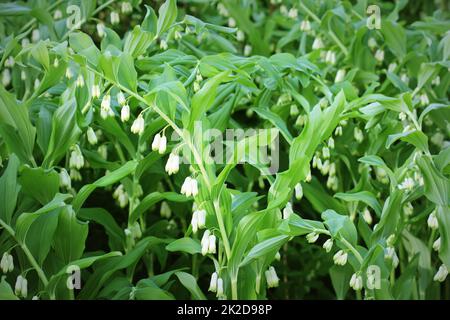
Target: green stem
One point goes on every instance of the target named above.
(27, 252)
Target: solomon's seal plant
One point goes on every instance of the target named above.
(224, 149)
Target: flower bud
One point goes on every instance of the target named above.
(92, 138)
(328, 245)
(138, 125)
(125, 113)
(213, 282)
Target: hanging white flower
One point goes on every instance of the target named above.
(138, 125)
(173, 164)
(340, 258)
(441, 274)
(356, 282)
(328, 245)
(125, 113)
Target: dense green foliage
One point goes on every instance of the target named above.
(107, 180)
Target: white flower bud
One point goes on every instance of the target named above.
(35, 35)
(293, 14)
(317, 44)
(173, 164)
(163, 45)
(100, 30)
(57, 14)
(18, 286)
(165, 210)
(6, 77)
(212, 244)
(76, 158)
(424, 101)
(312, 237)
(392, 66)
(247, 50)
(372, 43)
(138, 125)
(437, 244)
(194, 222)
(379, 55)
(156, 141)
(432, 221)
(125, 113)
(92, 138)
(305, 26)
(162, 145)
(390, 254)
(272, 278)
(340, 75)
(126, 7)
(213, 282)
(75, 175)
(358, 134)
(220, 292)
(442, 273)
(95, 91)
(340, 258)
(298, 191)
(240, 35)
(231, 22)
(328, 245)
(64, 179)
(80, 81)
(114, 16)
(293, 111)
(205, 242)
(356, 282)
(278, 256)
(201, 216)
(367, 216)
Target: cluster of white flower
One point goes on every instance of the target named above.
(356, 282)
(159, 143)
(208, 243)
(76, 160)
(272, 278)
(121, 196)
(64, 179)
(189, 187)
(138, 125)
(21, 288)
(198, 220)
(7, 263)
(105, 107)
(391, 255)
(173, 163)
(340, 258)
(216, 285)
(165, 210)
(312, 237)
(328, 245)
(441, 274)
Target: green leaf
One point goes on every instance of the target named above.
(9, 190)
(185, 244)
(363, 196)
(263, 248)
(340, 226)
(189, 282)
(70, 236)
(395, 37)
(167, 15)
(15, 126)
(65, 133)
(6, 292)
(48, 185)
(104, 181)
